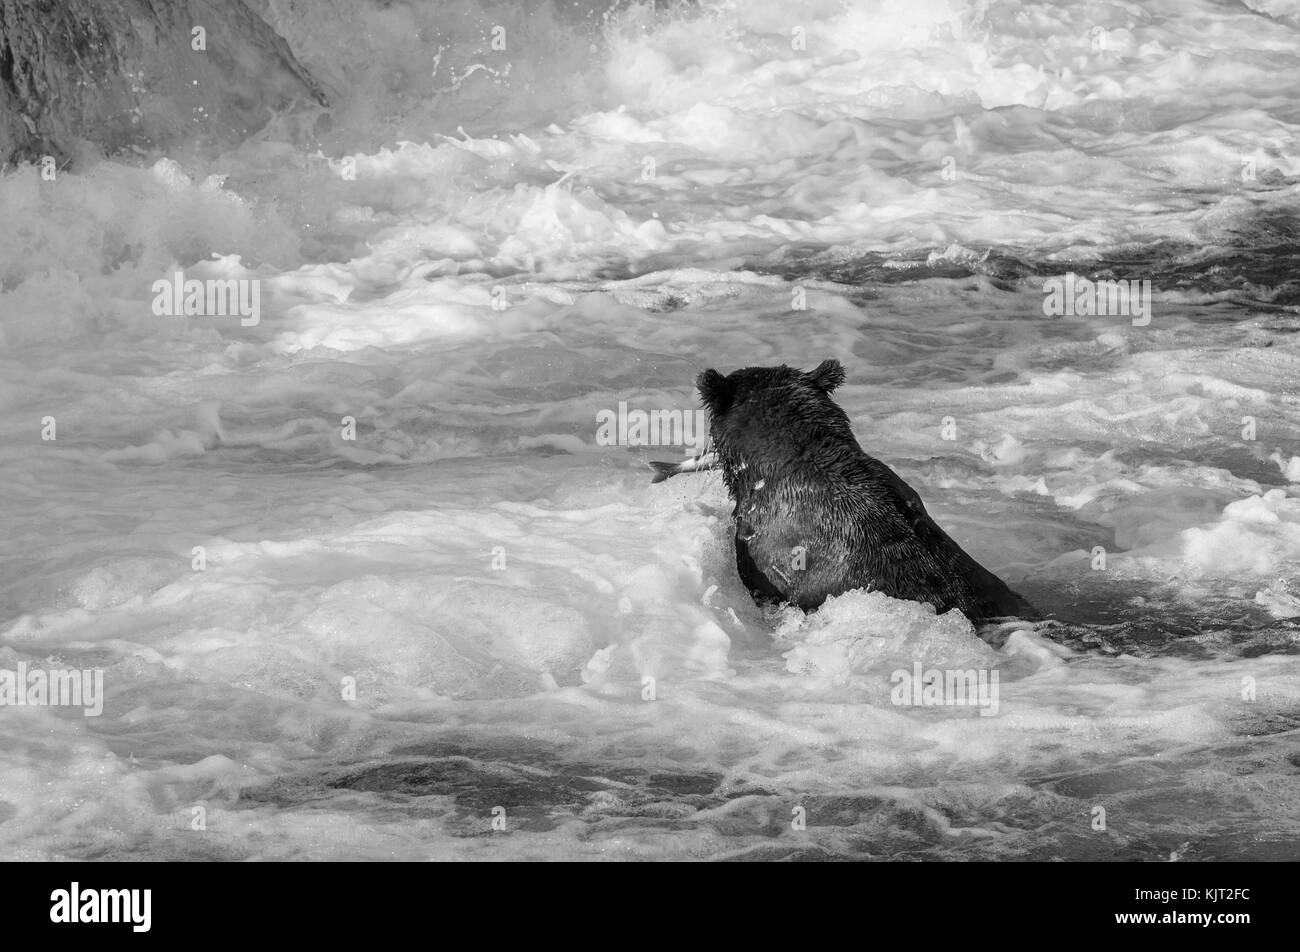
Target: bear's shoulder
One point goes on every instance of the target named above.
(879, 489)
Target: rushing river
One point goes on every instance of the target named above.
(326, 639)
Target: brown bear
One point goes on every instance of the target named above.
(816, 516)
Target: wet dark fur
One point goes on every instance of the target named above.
(860, 525)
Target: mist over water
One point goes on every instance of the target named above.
(475, 251)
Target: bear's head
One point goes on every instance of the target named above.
(772, 414)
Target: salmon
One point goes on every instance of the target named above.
(693, 464)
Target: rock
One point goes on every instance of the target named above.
(125, 75)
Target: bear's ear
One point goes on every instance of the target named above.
(826, 376)
(714, 391)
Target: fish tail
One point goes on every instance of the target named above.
(662, 471)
